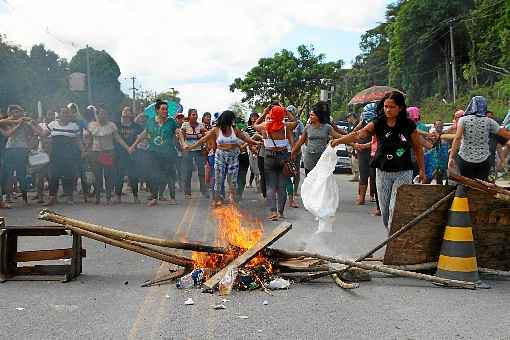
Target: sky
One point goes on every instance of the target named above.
(197, 47)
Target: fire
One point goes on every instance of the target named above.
(236, 231)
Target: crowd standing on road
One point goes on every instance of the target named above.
(389, 143)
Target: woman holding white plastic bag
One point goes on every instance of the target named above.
(396, 135)
(319, 190)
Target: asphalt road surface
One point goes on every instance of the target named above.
(107, 302)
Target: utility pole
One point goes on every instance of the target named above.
(89, 78)
(133, 88)
(454, 72)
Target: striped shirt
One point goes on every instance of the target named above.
(70, 129)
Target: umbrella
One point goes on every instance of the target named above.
(173, 107)
(371, 94)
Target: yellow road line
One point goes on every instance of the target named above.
(155, 291)
(159, 315)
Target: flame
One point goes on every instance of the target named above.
(238, 232)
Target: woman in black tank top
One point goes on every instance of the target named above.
(396, 135)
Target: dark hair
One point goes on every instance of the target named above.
(399, 100)
(322, 111)
(253, 114)
(192, 110)
(159, 103)
(226, 120)
(206, 114)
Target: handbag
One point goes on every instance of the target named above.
(38, 159)
(289, 168)
(105, 159)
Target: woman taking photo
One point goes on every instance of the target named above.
(226, 162)
(102, 154)
(470, 149)
(161, 151)
(317, 135)
(396, 136)
(277, 138)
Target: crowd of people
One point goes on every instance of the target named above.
(96, 155)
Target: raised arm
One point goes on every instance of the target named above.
(211, 134)
(368, 130)
(244, 137)
(455, 146)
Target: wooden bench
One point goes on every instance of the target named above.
(10, 256)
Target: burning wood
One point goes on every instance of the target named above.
(239, 258)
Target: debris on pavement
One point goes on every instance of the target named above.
(189, 301)
(279, 283)
(220, 306)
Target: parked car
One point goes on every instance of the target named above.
(343, 162)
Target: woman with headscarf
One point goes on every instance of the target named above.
(228, 139)
(277, 138)
(470, 149)
(316, 135)
(397, 136)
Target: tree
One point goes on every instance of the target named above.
(289, 78)
(104, 78)
(419, 45)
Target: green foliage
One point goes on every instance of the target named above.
(104, 78)
(292, 79)
(434, 108)
(42, 75)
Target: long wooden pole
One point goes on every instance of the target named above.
(144, 250)
(396, 234)
(51, 216)
(386, 270)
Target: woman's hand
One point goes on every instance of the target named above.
(422, 177)
(334, 143)
(452, 166)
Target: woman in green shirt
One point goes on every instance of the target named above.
(160, 132)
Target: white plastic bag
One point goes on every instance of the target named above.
(319, 191)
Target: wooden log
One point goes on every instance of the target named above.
(165, 257)
(342, 284)
(396, 234)
(281, 230)
(167, 278)
(388, 270)
(45, 255)
(490, 188)
(51, 216)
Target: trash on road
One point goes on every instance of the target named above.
(189, 301)
(279, 283)
(220, 306)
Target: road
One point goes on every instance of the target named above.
(107, 302)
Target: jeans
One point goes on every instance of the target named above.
(163, 172)
(191, 159)
(387, 185)
(126, 167)
(226, 167)
(102, 171)
(244, 164)
(64, 168)
(275, 180)
(15, 160)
